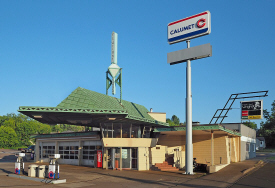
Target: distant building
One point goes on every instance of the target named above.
(260, 143)
(248, 139)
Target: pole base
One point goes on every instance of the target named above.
(188, 173)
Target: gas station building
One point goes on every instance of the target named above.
(125, 135)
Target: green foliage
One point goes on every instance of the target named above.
(8, 137)
(251, 124)
(267, 129)
(174, 121)
(15, 130)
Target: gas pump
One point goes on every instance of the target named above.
(19, 165)
(54, 166)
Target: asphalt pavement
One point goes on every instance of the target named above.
(249, 173)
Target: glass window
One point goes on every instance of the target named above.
(126, 130)
(39, 152)
(135, 131)
(117, 128)
(248, 147)
(107, 130)
(85, 147)
(91, 147)
(48, 150)
(69, 152)
(146, 133)
(134, 152)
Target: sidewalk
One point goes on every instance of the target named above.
(80, 176)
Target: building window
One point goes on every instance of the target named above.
(254, 148)
(146, 132)
(68, 152)
(136, 133)
(89, 152)
(48, 150)
(126, 130)
(248, 147)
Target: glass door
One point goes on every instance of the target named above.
(134, 158)
(126, 157)
(110, 158)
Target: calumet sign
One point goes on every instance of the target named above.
(189, 28)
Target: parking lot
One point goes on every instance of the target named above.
(81, 176)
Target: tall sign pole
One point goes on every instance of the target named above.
(184, 30)
(189, 144)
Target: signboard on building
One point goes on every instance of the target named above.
(252, 109)
(189, 28)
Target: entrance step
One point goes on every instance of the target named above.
(163, 167)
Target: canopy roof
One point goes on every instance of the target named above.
(197, 130)
(89, 108)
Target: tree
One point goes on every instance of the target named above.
(174, 121)
(8, 137)
(251, 124)
(267, 128)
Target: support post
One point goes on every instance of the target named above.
(121, 86)
(189, 144)
(120, 159)
(107, 162)
(212, 148)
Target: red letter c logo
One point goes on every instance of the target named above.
(201, 23)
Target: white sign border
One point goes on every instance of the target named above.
(192, 36)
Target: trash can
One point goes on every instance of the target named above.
(41, 171)
(32, 170)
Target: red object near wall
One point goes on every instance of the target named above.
(99, 158)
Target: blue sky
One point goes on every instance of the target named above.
(49, 48)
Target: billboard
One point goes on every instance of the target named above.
(189, 28)
(252, 109)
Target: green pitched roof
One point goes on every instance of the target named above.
(85, 101)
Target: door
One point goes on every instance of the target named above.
(68, 152)
(126, 158)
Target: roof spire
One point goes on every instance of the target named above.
(114, 70)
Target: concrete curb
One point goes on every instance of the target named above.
(252, 168)
(38, 179)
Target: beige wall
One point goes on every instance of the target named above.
(129, 142)
(234, 150)
(143, 158)
(158, 116)
(157, 154)
(201, 148)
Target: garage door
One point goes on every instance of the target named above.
(46, 149)
(89, 152)
(68, 153)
